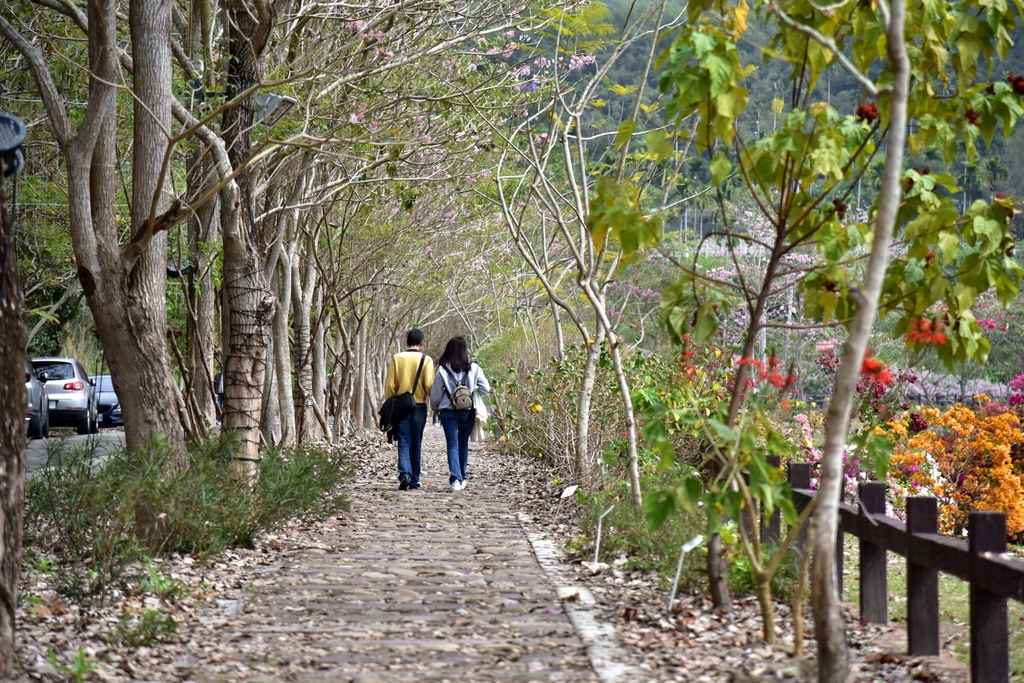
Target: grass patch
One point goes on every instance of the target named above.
(954, 606)
(101, 520)
(628, 541)
(741, 574)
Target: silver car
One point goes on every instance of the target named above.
(38, 413)
(71, 394)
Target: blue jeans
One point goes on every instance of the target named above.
(410, 443)
(457, 426)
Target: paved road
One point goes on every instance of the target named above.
(41, 451)
(410, 586)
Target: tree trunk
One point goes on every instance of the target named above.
(344, 385)
(127, 295)
(302, 302)
(833, 656)
(376, 371)
(250, 302)
(360, 378)
(583, 399)
(597, 302)
(202, 230)
(556, 317)
(270, 426)
(319, 378)
(251, 308)
(13, 338)
(282, 357)
(718, 573)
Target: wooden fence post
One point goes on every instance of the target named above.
(874, 586)
(840, 537)
(990, 639)
(922, 582)
(799, 476)
(771, 527)
(744, 522)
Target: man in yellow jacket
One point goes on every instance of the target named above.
(401, 377)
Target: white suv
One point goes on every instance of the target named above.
(72, 395)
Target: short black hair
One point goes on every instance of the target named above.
(414, 338)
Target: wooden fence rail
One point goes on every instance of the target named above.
(981, 562)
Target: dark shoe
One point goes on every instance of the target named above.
(403, 483)
(414, 486)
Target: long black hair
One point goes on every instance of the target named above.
(456, 355)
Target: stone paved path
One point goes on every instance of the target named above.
(425, 585)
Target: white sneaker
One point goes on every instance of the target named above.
(456, 485)
(464, 484)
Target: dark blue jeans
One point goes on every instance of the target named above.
(457, 426)
(410, 443)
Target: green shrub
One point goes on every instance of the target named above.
(77, 506)
(741, 575)
(142, 630)
(102, 519)
(625, 531)
(540, 409)
(163, 587)
(79, 670)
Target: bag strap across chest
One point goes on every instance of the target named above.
(419, 370)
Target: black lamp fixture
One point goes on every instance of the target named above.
(12, 160)
(178, 269)
(12, 137)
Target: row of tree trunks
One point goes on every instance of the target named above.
(124, 290)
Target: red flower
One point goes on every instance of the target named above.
(871, 366)
(1018, 83)
(925, 331)
(867, 111)
(840, 208)
(875, 370)
(972, 116)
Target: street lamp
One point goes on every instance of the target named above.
(12, 153)
(12, 159)
(271, 108)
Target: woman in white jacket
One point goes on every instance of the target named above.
(453, 369)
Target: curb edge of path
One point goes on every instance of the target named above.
(605, 654)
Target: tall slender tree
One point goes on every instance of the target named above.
(13, 338)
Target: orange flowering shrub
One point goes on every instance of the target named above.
(965, 459)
